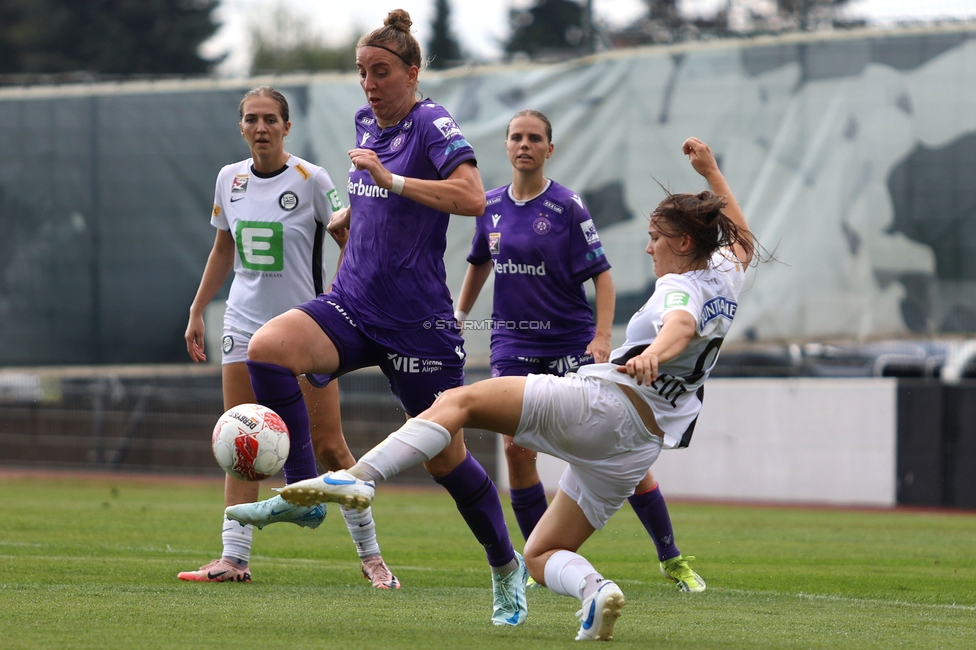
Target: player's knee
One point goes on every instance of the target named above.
(260, 348)
(267, 346)
(519, 456)
(446, 461)
(535, 561)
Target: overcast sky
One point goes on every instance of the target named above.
(481, 25)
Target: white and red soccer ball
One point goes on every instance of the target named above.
(251, 442)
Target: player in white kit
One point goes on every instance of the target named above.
(608, 421)
(541, 244)
(270, 212)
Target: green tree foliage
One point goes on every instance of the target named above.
(550, 27)
(284, 42)
(105, 36)
(443, 48)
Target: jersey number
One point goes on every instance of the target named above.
(261, 245)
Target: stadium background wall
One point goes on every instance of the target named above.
(853, 153)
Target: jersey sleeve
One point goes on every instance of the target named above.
(218, 219)
(676, 293)
(480, 252)
(587, 257)
(446, 146)
(325, 197)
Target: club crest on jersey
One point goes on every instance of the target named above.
(447, 126)
(494, 243)
(589, 231)
(239, 186)
(398, 141)
(288, 201)
(541, 226)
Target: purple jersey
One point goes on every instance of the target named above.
(393, 273)
(542, 250)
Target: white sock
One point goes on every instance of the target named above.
(237, 540)
(363, 530)
(567, 573)
(413, 443)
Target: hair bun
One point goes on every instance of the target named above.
(399, 19)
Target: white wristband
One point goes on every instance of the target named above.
(397, 186)
(460, 315)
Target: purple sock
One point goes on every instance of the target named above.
(277, 388)
(653, 513)
(477, 501)
(529, 504)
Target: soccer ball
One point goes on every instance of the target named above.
(251, 442)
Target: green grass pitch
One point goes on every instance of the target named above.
(91, 562)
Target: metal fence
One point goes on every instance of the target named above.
(160, 419)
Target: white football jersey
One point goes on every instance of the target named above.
(278, 223)
(711, 296)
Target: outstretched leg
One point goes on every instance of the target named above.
(436, 436)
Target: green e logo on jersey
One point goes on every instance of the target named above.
(675, 299)
(261, 245)
(334, 200)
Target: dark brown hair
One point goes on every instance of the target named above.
(395, 37)
(700, 217)
(266, 91)
(531, 112)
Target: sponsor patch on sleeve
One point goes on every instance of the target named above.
(304, 172)
(457, 144)
(716, 307)
(447, 126)
(589, 231)
(334, 200)
(216, 211)
(676, 299)
(595, 254)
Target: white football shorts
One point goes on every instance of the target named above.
(589, 423)
(233, 345)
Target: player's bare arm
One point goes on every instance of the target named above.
(676, 332)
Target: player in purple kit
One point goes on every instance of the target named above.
(540, 241)
(411, 169)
